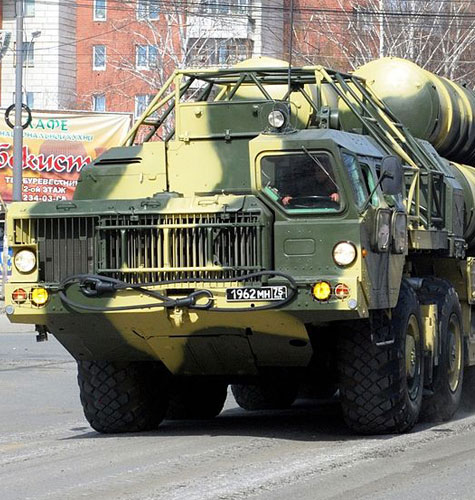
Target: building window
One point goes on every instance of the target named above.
(100, 10)
(212, 51)
(99, 102)
(29, 8)
(28, 98)
(29, 51)
(28, 54)
(141, 103)
(99, 57)
(148, 10)
(226, 7)
(146, 56)
(363, 18)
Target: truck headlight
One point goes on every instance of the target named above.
(25, 261)
(276, 119)
(344, 253)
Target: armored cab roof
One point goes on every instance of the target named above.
(360, 144)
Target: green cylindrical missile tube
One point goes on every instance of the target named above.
(431, 107)
(466, 176)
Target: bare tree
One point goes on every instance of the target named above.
(183, 36)
(436, 34)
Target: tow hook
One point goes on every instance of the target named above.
(95, 287)
(190, 301)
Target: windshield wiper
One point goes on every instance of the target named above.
(319, 164)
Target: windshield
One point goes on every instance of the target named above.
(301, 181)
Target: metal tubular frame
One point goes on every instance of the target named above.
(375, 117)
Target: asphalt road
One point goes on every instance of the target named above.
(48, 451)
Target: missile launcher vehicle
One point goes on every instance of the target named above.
(272, 229)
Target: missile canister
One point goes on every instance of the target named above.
(432, 107)
(466, 176)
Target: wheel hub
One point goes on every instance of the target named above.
(454, 353)
(411, 356)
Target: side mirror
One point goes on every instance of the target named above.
(391, 175)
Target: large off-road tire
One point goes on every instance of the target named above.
(447, 379)
(381, 384)
(196, 399)
(123, 396)
(270, 393)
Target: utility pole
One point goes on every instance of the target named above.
(18, 129)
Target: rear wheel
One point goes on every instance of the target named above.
(122, 397)
(196, 399)
(381, 385)
(270, 393)
(448, 375)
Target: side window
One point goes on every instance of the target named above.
(362, 179)
(358, 184)
(370, 182)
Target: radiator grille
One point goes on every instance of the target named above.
(146, 248)
(161, 247)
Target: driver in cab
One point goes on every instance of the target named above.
(314, 187)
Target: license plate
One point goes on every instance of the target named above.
(256, 294)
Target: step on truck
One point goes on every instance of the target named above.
(282, 231)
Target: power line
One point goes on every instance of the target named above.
(213, 9)
(188, 6)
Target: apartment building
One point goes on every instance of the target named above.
(222, 32)
(113, 55)
(49, 76)
(126, 50)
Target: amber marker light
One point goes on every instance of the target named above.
(322, 290)
(19, 296)
(39, 296)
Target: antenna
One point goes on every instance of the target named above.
(290, 45)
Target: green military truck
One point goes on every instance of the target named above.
(270, 228)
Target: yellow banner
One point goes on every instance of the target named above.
(56, 147)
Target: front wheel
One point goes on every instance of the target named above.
(381, 385)
(122, 397)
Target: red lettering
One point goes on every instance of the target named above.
(40, 163)
(45, 163)
(60, 163)
(4, 156)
